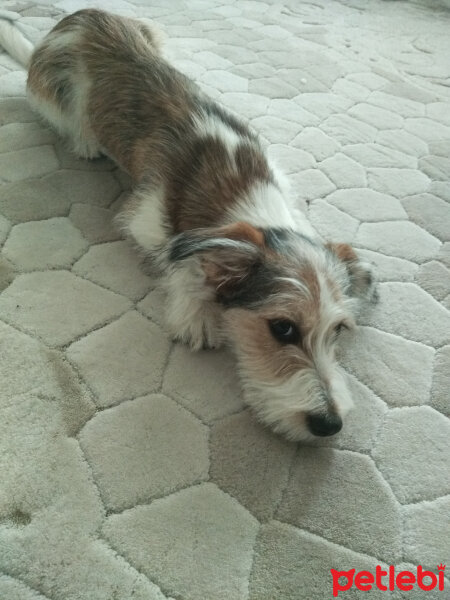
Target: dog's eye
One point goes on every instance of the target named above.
(284, 331)
(339, 327)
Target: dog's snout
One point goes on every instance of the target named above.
(323, 425)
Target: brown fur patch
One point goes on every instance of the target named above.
(244, 232)
(143, 113)
(204, 180)
(263, 356)
(48, 74)
(144, 116)
(309, 304)
(225, 268)
(343, 251)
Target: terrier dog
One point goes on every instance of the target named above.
(239, 266)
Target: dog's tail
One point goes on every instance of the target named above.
(14, 42)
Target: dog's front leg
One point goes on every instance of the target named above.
(192, 315)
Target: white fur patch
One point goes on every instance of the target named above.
(50, 112)
(280, 177)
(339, 392)
(144, 221)
(213, 126)
(62, 39)
(72, 122)
(263, 206)
(192, 316)
(301, 222)
(284, 406)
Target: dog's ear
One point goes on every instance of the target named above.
(362, 279)
(226, 255)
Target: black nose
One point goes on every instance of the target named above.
(323, 425)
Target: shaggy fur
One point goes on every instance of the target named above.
(210, 212)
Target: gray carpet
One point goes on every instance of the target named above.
(130, 467)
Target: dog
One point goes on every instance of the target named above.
(210, 211)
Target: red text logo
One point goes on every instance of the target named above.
(387, 580)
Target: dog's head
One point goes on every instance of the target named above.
(286, 300)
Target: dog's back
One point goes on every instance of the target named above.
(80, 80)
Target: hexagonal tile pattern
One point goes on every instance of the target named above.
(367, 205)
(434, 278)
(431, 213)
(348, 130)
(359, 523)
(374, 115)
(427, 129)
(316, 142)
(444, 254)
(312, 184)
(224, 81)
(128, 462)
(272, 87)
(51, 244)
(28, 163)
(115, 266)
(403, 106)
(7, 273)
(401, 140)
(292, 159)
(32, 200)
(331, 223)
(250, 463)
(16, 136)
(438, 111)
(323, 105)
(435, 167)
(441, 381)
(351, 89)
(398, 182)
(16, 590)
(288, 559)
(209, 398)
(218, 532)
(138, 435)
(95, 223)
(152, 306)
(27, 366)
(440, 189)
(5, 227)
(412, 476)
(404, 240)
(291, 111)
(367, 351)
(276, 130)
(389, 268)
(245, 104)
(130, 355)
(343, 171)
(406, 310)
(58, 306)
(423, 526)
(16, 110)
(42, 515)
(376, 155)
(100, 189)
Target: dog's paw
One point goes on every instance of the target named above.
(199, 336)
(200, 331)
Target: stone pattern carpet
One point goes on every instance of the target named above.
(129, 467)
